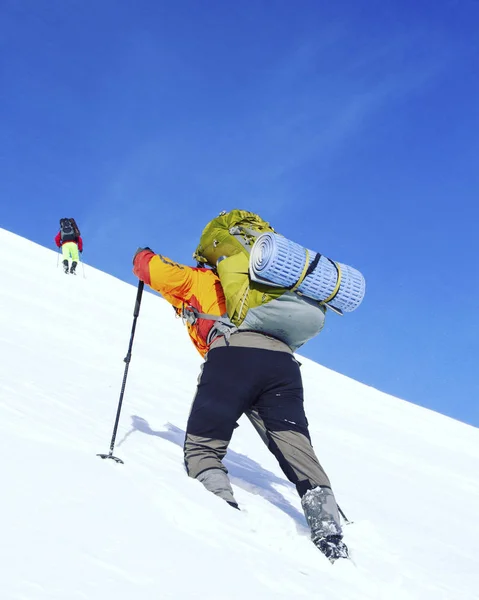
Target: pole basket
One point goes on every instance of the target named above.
(115, 458)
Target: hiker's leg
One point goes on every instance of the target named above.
(279, 418)
(74, 252)
(222, 395)
(66, 251)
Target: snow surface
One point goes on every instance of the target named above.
(78, 527)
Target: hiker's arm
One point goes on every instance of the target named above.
(57, 239)
(162, 274)
(80, 244)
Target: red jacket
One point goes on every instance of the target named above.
(78, 242)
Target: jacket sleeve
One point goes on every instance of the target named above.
(57, 239)
(172, 280)
(80, 244)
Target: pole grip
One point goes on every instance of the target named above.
(141, 285)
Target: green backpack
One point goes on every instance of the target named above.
(225, 245)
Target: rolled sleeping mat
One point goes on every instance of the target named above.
(277, 261)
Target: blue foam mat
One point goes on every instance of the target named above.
(275, 260)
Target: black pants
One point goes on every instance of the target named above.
(267, 386)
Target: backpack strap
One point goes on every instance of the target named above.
(223, 326)
(191, 315)
(303, 274)
(338, 283)
(246, 237)
(310, 269)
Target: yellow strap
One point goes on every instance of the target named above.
(305, 268)
(336, 287)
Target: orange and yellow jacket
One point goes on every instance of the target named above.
(183, 287)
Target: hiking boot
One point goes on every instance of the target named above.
(73, 267)
(321, 512)
(65, 266)
(332, 546)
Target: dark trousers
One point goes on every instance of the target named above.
(267, 386)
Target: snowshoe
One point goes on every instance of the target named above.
(73, 267)
(65, 266)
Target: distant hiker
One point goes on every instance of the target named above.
(70, 241)
(245, 372)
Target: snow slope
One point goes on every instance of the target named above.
(78, 527)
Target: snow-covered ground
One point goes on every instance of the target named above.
(78, 527)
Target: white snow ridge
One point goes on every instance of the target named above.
(78, 527)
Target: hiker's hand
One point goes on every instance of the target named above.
(141, 264)
(141, 250)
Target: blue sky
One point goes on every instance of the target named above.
(352, 127)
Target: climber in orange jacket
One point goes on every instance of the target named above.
(245, 372)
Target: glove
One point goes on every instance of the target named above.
(141, 250)
(140, 264)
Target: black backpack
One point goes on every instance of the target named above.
(69, 231)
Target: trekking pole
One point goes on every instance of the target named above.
(127, 359)
(58, 258)
(82, 265)
(346, 520)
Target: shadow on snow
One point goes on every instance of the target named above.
(244, 472)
